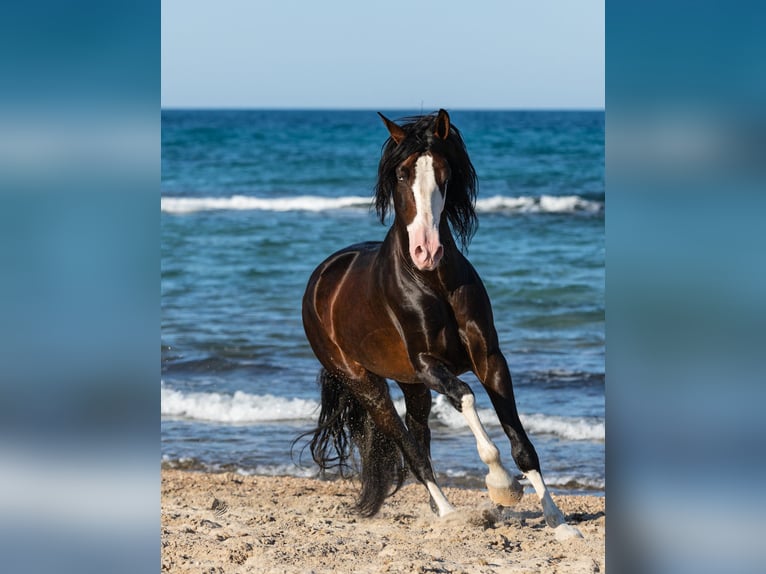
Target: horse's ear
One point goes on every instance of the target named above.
(397, 133)
(442, 125)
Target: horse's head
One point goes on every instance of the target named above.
(421, 191)
(421, 160)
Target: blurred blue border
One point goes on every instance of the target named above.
(686, 278)
(79, 287)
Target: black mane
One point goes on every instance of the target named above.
(463, 184)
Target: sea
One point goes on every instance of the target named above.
(253, 200)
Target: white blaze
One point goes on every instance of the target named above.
(428, 201)
(425, 247)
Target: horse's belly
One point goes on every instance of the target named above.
(382, 351)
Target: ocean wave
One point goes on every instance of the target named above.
(300, 471)
(494, 204)
(539, 204)
(245, 408)
(238, 408)
(568, 428)
(572, 482)
(182, 205)
(276, 469)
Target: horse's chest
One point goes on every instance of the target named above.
(446, 344)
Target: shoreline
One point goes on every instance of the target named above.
(460, 481)
(227, 522)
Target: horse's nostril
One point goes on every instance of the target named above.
(418, 250)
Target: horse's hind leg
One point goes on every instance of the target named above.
(503, 488)
(417, 398)
(372, 393)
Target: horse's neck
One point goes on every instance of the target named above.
(393, 251)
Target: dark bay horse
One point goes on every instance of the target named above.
(412, 309)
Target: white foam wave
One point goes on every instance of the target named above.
(447, 415)
(569, 428)
(239, 408)
(248, 203)
(538, 204)
(246, 408)
(497, 203)
(279, 470)
(572, 481)
(284, 469)
(565, 427)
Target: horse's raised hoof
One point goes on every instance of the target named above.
(565, 532)
(503, 492)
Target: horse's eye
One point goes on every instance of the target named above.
(400, 178)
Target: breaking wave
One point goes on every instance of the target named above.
(245, 408)
(494, 204)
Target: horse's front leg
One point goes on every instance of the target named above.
(503, 488)
(497, 381)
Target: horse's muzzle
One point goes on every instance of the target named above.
(426, 250)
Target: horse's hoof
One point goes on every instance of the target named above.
(503, 493)
(565, 532)
(503, 496)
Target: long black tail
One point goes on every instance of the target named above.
(344, 426)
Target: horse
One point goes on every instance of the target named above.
(413, 310)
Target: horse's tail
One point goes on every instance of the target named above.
(344, 426)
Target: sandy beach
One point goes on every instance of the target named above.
(216, 523)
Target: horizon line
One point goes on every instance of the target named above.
(373, 109)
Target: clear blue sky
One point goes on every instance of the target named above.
(502, 54)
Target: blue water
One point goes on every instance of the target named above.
(252, 201)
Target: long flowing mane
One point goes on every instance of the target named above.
(463, 183)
